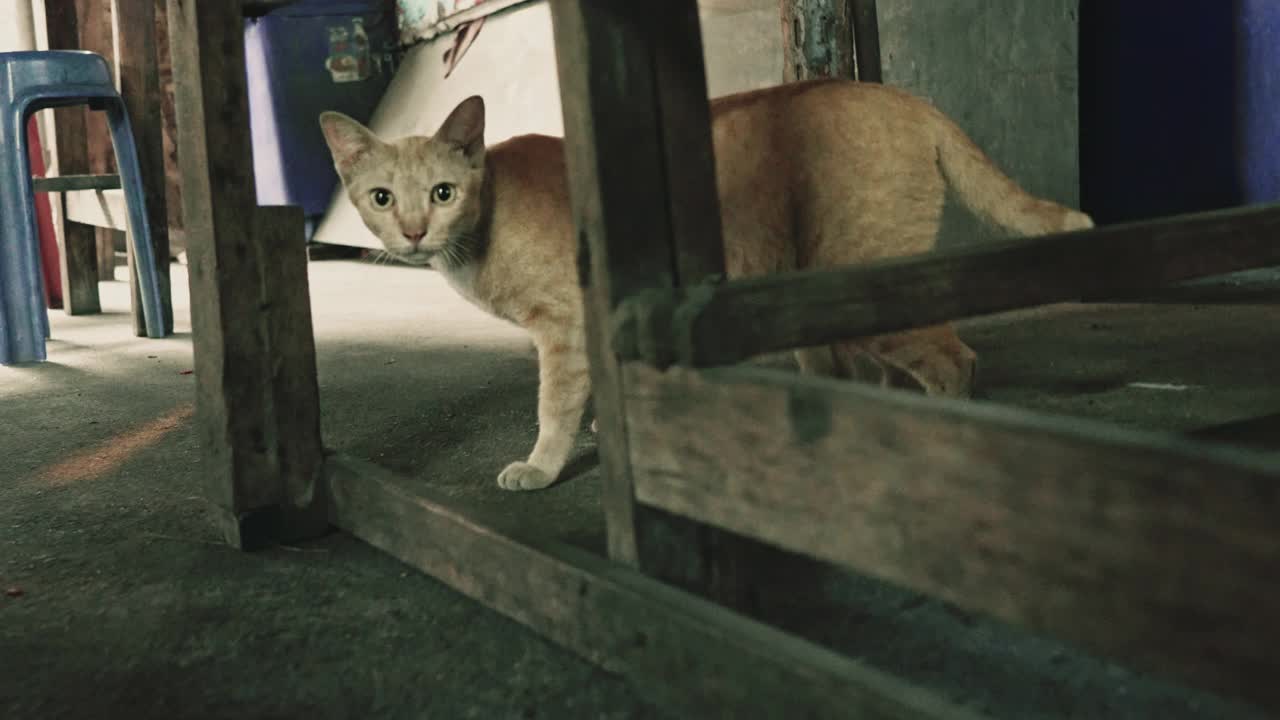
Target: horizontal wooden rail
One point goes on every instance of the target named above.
(731, 322)
(1148, 548)
(63, 183)
(679, 649)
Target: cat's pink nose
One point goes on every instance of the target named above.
(414, 239)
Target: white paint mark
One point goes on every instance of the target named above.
(1168, 387)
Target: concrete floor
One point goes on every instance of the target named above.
(120, 602)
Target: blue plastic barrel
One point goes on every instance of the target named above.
(301, 60)
(1179, 106)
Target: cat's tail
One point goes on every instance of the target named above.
(990, 194)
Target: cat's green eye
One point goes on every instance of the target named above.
(382, 197)
(442, 193)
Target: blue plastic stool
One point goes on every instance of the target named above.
(31, 81)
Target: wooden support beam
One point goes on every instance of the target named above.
(64, 183)
(720, 325)
(257, 398)
(139, 80)
(642, 179)
(618, 187)
(1147, 547)
(172, 173)
(679, 650)
(97, 24)
(78, 257)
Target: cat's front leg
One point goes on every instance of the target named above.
(564, 383)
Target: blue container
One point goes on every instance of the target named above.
(1179, 106)
(301, 60)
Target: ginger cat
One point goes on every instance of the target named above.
(810, 175)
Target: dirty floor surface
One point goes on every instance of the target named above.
(121, 603)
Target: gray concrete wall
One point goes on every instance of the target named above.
(1006, 72)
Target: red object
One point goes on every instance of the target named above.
(44, 223)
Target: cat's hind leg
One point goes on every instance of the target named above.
(933, 360)
(564, 384)
(818, 361)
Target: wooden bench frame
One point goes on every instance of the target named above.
(90, 218)
(1136, 545)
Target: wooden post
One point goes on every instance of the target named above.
(79, 260)
(830, 39)
(96, 35)
(139, 79)
(257, 395)
(642, 179)
(172, 174)
(620, 206)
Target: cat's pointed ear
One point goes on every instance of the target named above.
(348, 140)
(465, 126)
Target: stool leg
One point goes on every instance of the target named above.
(22, 336)
(139, 227)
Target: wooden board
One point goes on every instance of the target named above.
(97, 25)
(254, 355)
(77, 243)
(741, 319)
(139, 79)
(642, 180)
(620, 205)
(64, 183)
(1146, 547)
(679, 650)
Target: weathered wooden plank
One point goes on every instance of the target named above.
(620, 202)
(1146, 547)
(295, 386)
(642, 175)
(97, 25)
(866, 40)
(139, 79)
(817, 39)
(697, 557)
(247, 336)
(741, 319)
(70, 155)
(77, 245)
(172, 173)
(679, 650)
(684, 117)
(64, 183)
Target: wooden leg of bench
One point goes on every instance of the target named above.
(140, 88)
(105, 250)
(642, 180)
(258, 404)
(78, 264)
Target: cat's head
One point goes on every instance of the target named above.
(421, 196)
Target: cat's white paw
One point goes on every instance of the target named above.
(594, 429)
(523, 476)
